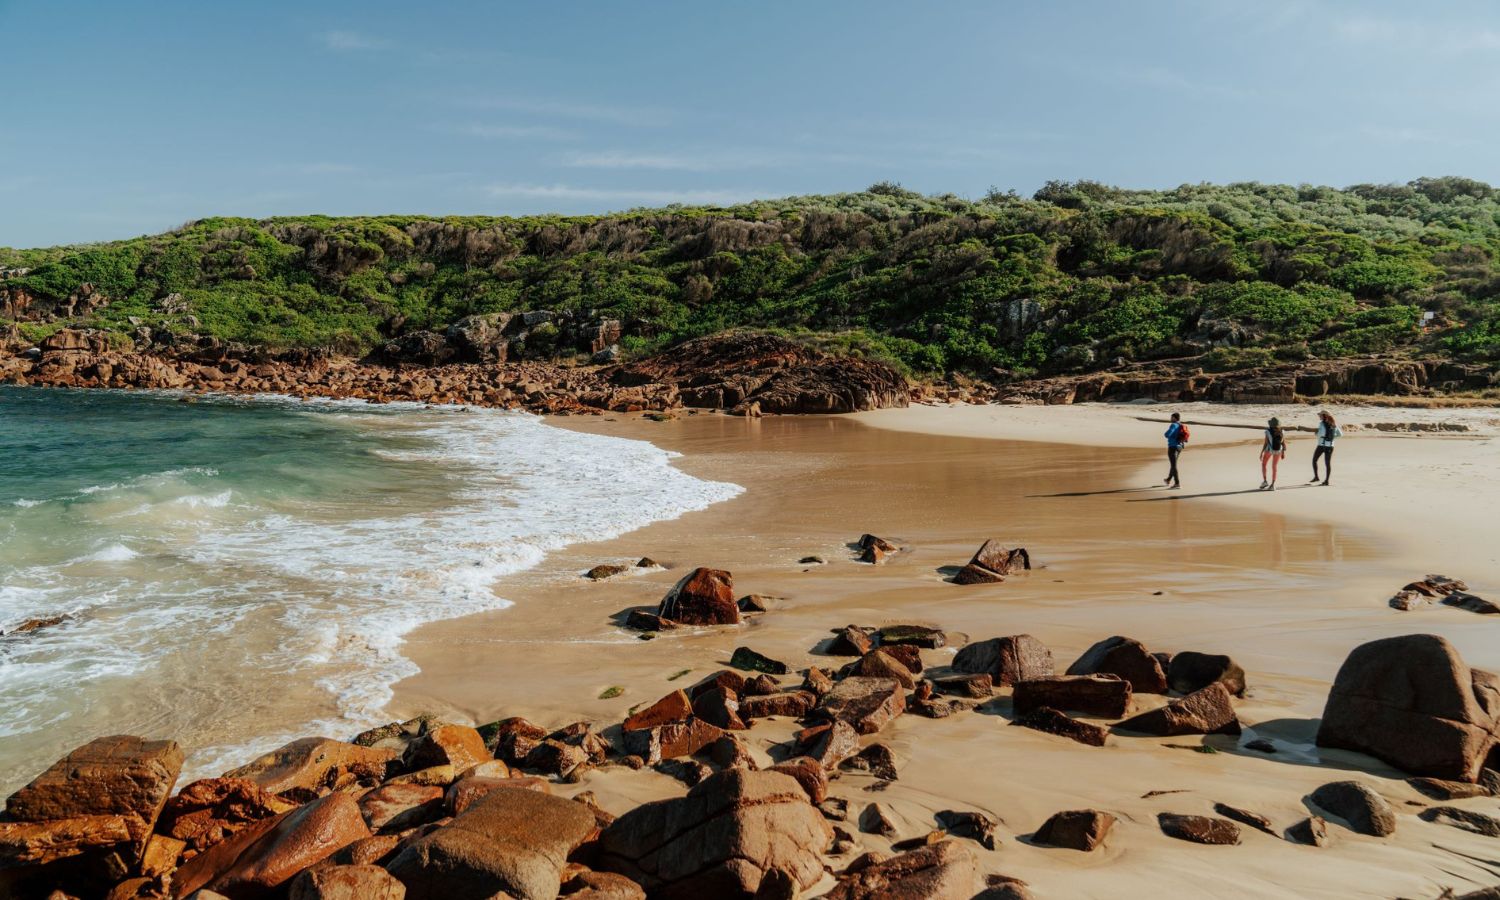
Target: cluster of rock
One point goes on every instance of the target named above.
(747, 374)
(1441, 588)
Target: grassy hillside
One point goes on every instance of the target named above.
(1078, 277)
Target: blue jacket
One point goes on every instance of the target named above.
(1173, 435)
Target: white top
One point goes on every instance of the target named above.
(1324, 438)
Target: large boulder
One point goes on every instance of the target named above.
(866, 704)
(1208, 711)
(481, 338)
(721, 839)
(458, 746)
(308, 764)
(258, 861)
(1006, 660)
(942, 871)
(702, 597)
(101, 800)
(508, 843)
(1124, 657)
(1412, 702)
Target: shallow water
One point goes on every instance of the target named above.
(238, 572)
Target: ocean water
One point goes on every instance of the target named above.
(239, 572)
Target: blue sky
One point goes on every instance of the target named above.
(121, 118)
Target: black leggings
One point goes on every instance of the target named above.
(1172, 454)
(1323, 452)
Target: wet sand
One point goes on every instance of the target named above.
(1273, 580)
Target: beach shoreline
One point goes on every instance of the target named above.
(1287, 590)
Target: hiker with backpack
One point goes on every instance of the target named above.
(1328, 432)
(1177, 440)
(1273, 451)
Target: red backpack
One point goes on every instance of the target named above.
(1182, 433)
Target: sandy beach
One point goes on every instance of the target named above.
(1286, 582)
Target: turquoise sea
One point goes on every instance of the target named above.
(237, 572)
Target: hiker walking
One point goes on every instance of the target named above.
(1328, 432)
(1177, 439)
(1273, 451)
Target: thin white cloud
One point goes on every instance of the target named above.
(568, 109)
(346, 41)
(566, 192)
(518, 132)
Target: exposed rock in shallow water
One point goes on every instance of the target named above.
(1198, 829)
(702, 597)
(1126, 658)
(1050, 721)
(1189, 671)
(1208, 711)
(1095, 695)
(866, 704)
(751, 661)
(1006, 660)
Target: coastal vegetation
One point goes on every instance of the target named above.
(1081, 276)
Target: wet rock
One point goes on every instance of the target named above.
(511, 841)
(1190, 672)
(1198, 829)
(920, 636)
(1006, 660)
(674, 707)
(647, 562)
(851, 641)
(702, 597)
(719, 707)
(721, 839)
(396, 735)
(1245, 817)
(1467, 819)
(289, 843)
(972, 574)
(1312, 831)
(1051, 721)
(1077, 829)
(751, 661)
(112, 840)
(1364, 810)
(877, 759)
(1471, 603)
(995, 557)
(791, 705)
(907, 655)
(875, 820)
(924, 702)
(754, 603)
(458, 746)
(397, 807)
(866, 541)
(346, 883)
(510, 740)
(881, 664)
(1412, 702)
(309, 764)
(975, 826)
(866, 704)
(556, 757)
(809, 773)
(603, 571)
(671, 740)
(941, 871)
(979, 687)
(1260, 745)
(1208, 711)
(1095, 695)
(812, 561)
(646, 620)
(1126, 658)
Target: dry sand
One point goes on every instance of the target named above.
(1286, 582)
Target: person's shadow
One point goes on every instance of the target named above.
(1215, 494)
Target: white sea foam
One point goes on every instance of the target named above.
(219, 593)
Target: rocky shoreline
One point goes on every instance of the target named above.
(426, 808)
(742, 373)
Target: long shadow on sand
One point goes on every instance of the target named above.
(1216, 494)
(1135, 490)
